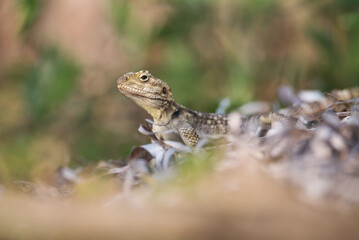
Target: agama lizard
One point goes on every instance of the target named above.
(172, 121)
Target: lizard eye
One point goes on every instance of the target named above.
(144, 78)
(164, 90)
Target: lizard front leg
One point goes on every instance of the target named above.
(188, 134)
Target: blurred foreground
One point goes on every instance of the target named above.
(257, 207)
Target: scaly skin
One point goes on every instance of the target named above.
(176, 122)
(155, 96)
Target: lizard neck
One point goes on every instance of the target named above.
(163, 115)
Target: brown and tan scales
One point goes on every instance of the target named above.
(155, 96)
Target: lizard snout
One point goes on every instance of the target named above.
(122, 78)
(125, 77)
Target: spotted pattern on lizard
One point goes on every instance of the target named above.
(155, 96)
(173, 121)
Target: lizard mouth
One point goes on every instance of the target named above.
(137, 92)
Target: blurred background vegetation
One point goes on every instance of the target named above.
(59, 61)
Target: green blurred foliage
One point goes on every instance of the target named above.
(206, 50)
(48, 85)
(337, 42)
(30, 11)
(245, 49)
(196, 167)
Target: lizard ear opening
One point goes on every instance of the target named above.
(164, 90)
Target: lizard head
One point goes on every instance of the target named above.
(149, 92)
